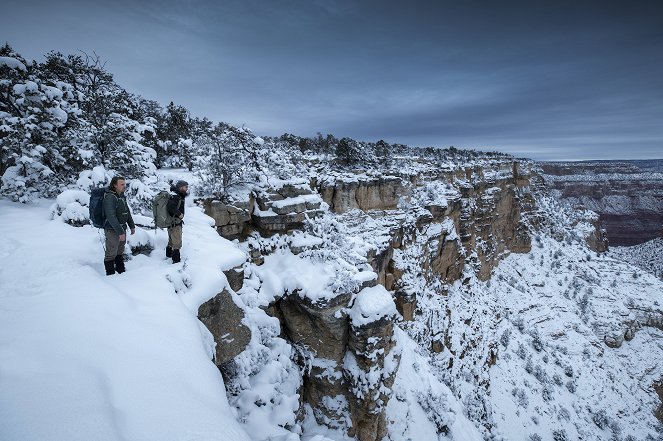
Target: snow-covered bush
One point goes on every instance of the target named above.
(71, 206)
(438, 410)
(537, 342)
(504, 338)
(560, 435)
(37, 117)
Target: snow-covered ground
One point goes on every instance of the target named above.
(555, 374)
(648, 255)
(85, 356)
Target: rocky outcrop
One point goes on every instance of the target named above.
(627, 197)
(362, 192)
(406, 303)
(223, 318)
(320, 331)
(488, 219)
(230, 219)
(348, 358)
(490, 223)
(284, 209)
(371, 370)
(279, 209)
(597, 240)
(658, 387)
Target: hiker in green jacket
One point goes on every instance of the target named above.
(118, 216)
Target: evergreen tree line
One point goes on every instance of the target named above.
(63, 117)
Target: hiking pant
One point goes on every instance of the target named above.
(114, 247)
(175, 237)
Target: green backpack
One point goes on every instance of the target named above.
(160, 210)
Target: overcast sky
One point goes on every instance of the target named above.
(547, 80)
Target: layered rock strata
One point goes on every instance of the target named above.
(628, 198)
(362, 192)
(273, 210)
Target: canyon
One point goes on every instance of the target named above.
(627, 195)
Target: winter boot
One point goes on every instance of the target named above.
(176, 256)
(110, 268)
(119, 264)
(169, 252)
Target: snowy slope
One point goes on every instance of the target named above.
(555, 372)
(84, 356)
(648, 255)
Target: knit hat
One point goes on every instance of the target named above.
(179, 184)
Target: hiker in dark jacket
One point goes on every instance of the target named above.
(176, 210)
(117, 216)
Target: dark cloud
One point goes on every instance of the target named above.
(550, 80)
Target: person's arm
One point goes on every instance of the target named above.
(172, 206)
(110, 211)
(130, 221)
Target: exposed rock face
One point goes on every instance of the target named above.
(230, 220)
(223, 318)
(491, 223)
(343, 362)
(658, 387)
(406, 303)
(322, 333)
(235, 278)
(628, 198)
(365, 193)
(349, 367)
(486, 221)
(598, 238)
(284, 209)
(370, 347)
(275, 210)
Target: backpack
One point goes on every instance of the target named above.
(97, 215)
(162, 219)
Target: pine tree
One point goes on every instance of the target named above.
(383, 153)
(37, 115)
(348, 151)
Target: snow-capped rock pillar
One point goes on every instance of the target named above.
(371, 362)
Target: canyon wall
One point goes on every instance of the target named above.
(628, 196)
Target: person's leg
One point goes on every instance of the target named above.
(112, 244)
(119, 257)
(169, 247)
(176, 242)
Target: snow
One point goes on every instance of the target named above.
(421, 402)
(310, 198)
(285, 272)
(372, 304)
(58, 113)
(85, 356)
(12, 63)
(96, 177)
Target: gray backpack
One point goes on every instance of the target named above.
(160, 210)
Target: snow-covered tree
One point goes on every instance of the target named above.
(348, 151)
(37, 118)
(229, 157)
(64, 116)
